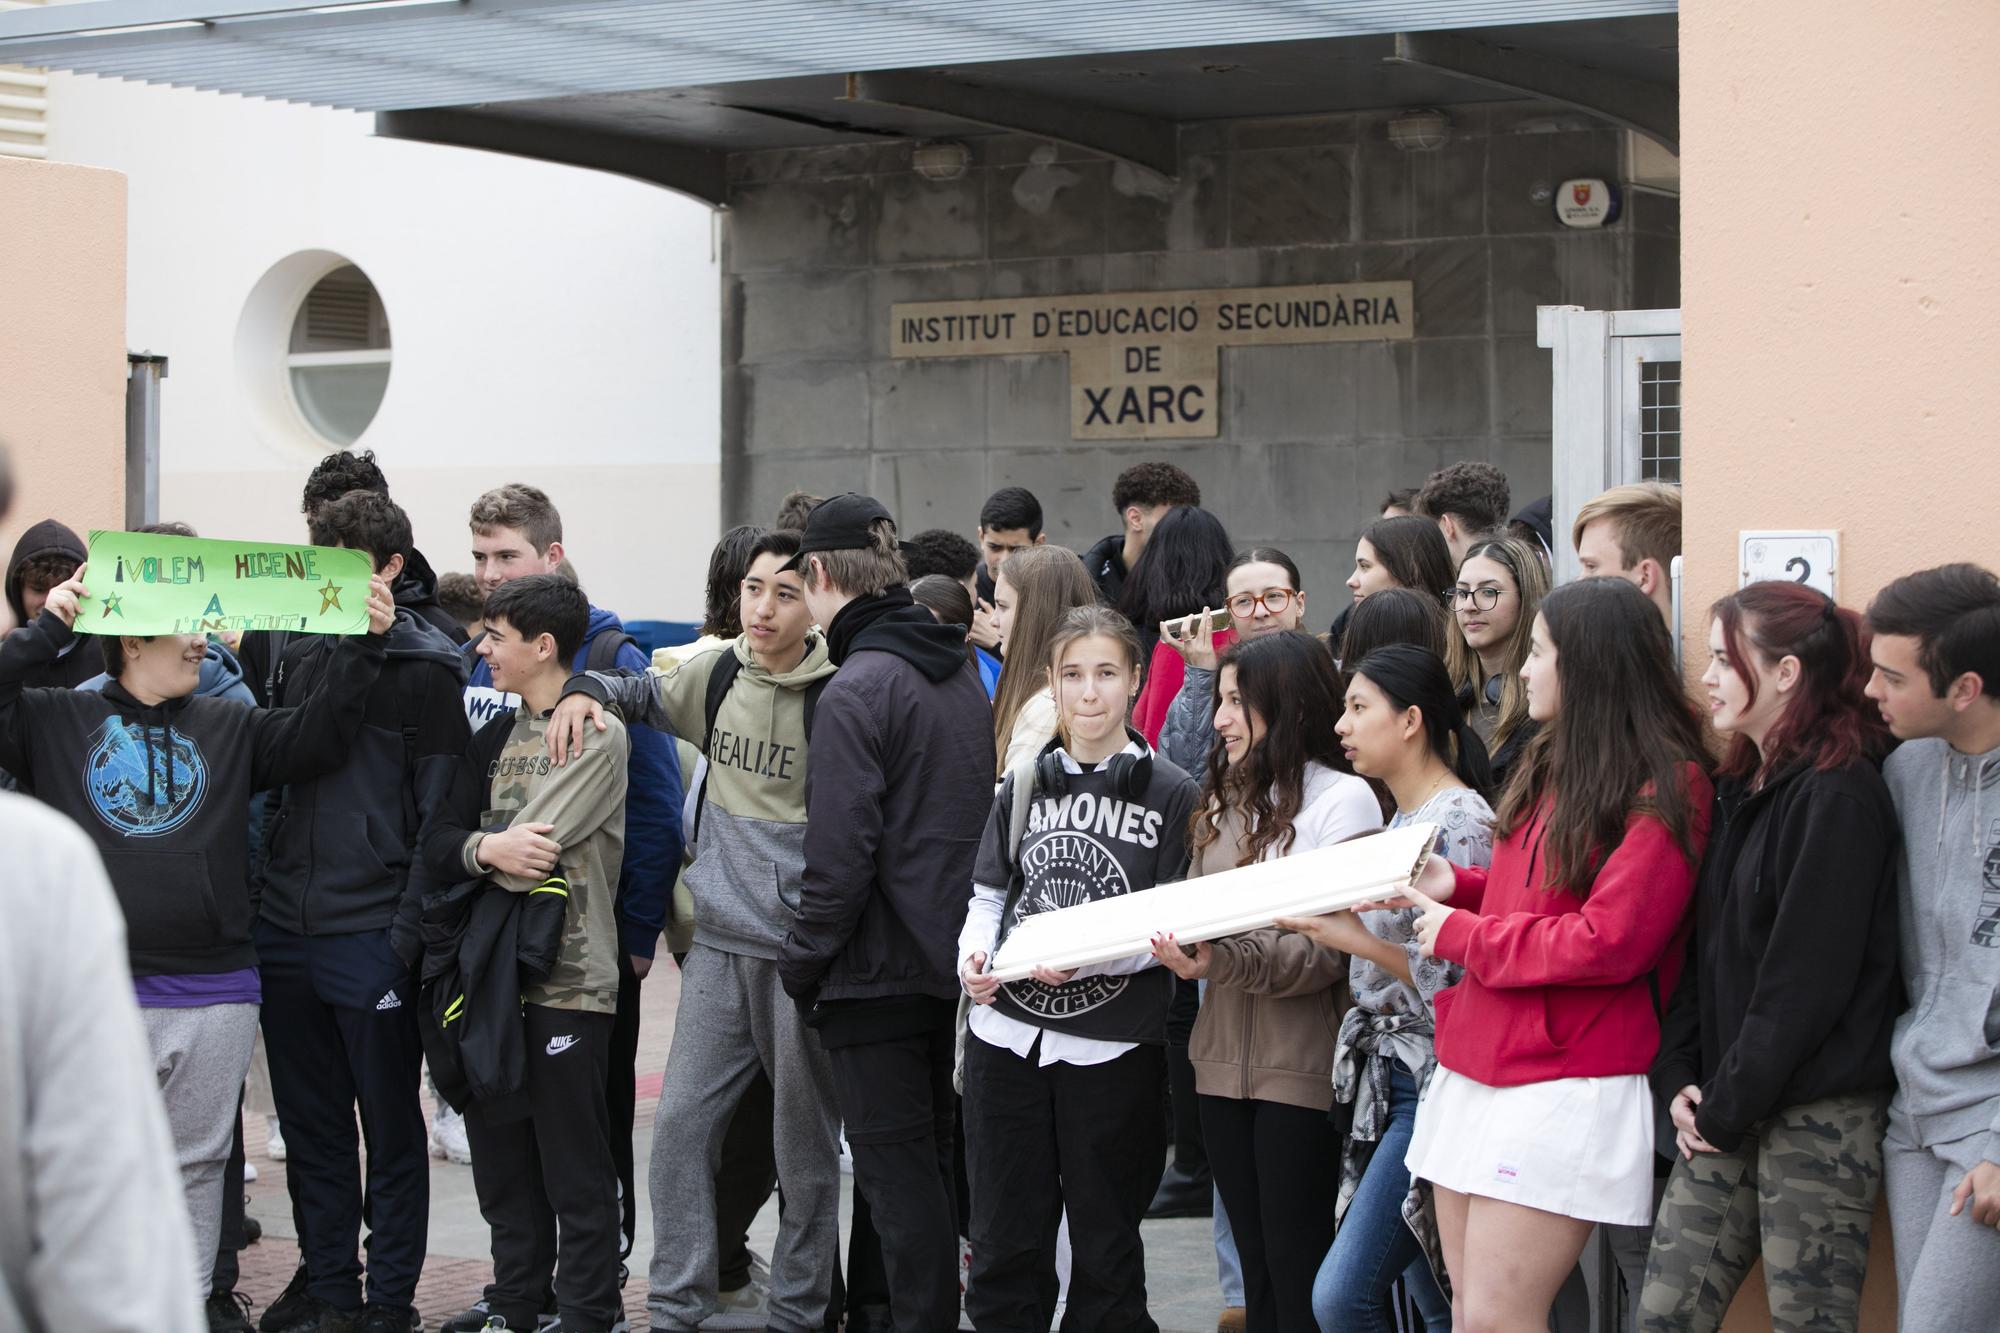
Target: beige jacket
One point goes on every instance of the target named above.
(1275, 1000)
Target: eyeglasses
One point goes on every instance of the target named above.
(1244, 604)
(1484, 598)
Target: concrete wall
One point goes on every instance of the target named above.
(550, 325)
(821, 243)
(62, 344)
(1840, 286)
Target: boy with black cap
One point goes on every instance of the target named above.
(896, 800)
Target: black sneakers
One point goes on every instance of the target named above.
(229, 1312)
(391, 1319)
(289, 1308)
(316, 1316)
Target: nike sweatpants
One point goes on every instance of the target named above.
(735, 1019)
(200, 1056)
(546, 1184)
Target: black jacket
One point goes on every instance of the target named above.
(81, 659)
(1791, 988)
(480, 944)
(162, 789)
(416, 591)
(341, 849)
(898, 786)
(1105, 563)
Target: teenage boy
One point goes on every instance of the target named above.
(942, 551)
(1936, 654)
(337, 935)
(516, 531)
(160, 778)
(747, 704)
(1009, 521)
(1468, 500)
(547, 1185)
(1633, 533)
(47, 556)
(896, 800)
(1142, 495)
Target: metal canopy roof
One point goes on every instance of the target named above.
(393, 54)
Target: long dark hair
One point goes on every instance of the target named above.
(1287, 680)
(722, 610)
(1619, 743)
(1184, 567)
(946, 598)
(1394, 615)
(1414, 552)
(1828, 721)
(1418, 678)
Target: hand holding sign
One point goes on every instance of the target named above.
(66, 598)
(381, 605)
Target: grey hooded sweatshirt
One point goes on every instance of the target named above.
(750, 858)
(1946, 1049)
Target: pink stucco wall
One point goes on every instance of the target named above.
(62, 343)
(1840, 284)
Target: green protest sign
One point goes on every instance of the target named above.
(147, 583)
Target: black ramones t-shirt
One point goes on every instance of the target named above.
(1085, 844)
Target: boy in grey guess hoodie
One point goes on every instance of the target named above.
(748, 706)
(1936, 656)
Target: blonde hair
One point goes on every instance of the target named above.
(1531, 585)
(1049, 582)
(1647, 516)
(865, 571)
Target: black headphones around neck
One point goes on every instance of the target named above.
(1130, 774)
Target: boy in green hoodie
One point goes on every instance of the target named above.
(1936, 654)
(747, 705)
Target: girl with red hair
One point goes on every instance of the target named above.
(1775, 1050)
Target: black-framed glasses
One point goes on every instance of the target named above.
(1244, 604)
(1484, 598)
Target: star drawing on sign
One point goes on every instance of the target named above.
(111, 605)
(329, 597)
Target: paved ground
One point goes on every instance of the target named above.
(1180, 1259)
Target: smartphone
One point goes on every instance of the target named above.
(1217, 622)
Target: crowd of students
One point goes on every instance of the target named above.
(1710, 987)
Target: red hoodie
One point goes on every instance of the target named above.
(1558, 986)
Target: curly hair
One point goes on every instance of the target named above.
(337, 474)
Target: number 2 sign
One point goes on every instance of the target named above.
(1794, 556)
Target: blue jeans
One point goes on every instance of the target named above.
(1374, 1245)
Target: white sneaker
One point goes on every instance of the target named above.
(448, 1142)
(748, 1307)
(274, 1147)
(249, 1172)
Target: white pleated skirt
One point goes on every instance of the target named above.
(1580, 1147)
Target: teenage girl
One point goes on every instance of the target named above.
(1776, 1053)
(1538, 1123)
(1262, 1047)
(1063, 1072)
(1035, 589)
(1403, 728)
(1501, 583)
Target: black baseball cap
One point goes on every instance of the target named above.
(840, 524)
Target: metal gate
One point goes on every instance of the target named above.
(1617, 405)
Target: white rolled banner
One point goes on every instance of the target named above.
(1326, 879)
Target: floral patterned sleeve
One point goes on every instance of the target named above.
(1465, 837)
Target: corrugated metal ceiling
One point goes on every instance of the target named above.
(396, 54)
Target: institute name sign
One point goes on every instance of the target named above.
(1143, 365)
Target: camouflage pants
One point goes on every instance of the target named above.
(1800, 1192)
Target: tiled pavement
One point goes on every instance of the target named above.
(1180, 1260)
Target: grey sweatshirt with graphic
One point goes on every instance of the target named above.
(1947, 1045)
(750, 857)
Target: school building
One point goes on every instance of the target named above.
(1309, 252)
